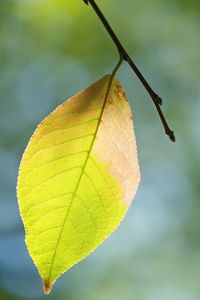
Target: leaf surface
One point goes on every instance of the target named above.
(77, 177)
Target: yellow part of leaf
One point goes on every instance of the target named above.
(77, 177)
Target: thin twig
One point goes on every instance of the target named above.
(125, 56)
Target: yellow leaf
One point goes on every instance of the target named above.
(77, 177)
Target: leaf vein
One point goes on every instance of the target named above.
(64, 142)
(44, 201)
(60, 129)
(45, 181)
(52, 161)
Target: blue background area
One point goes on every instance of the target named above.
(50, 50)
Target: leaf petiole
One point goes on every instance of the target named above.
(113, 75)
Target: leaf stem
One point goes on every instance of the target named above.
(125, 56)
(113, 75)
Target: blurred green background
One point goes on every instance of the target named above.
(50, 50)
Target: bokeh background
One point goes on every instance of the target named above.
(50, 50)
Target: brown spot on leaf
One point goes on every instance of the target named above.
(120, 92)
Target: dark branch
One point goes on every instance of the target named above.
(124, 55)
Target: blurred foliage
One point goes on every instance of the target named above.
(51, 49)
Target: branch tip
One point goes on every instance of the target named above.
(125, 56)
(171, 136)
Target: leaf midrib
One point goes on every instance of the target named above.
(83, 169)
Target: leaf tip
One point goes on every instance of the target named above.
(47, 287)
